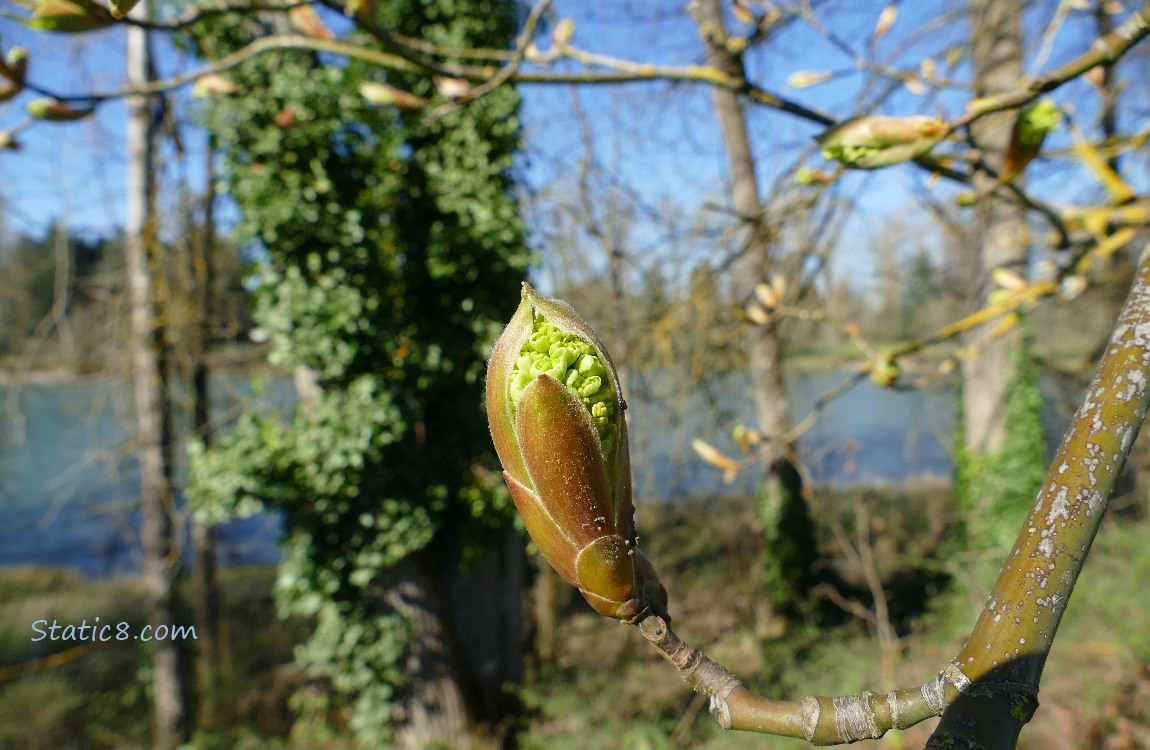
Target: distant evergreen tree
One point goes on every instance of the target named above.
(920, 295)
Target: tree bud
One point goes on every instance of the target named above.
(1034, 123)
(557, 422)
(876, 141)
(56, 111)
(15, 65)
(69, 16)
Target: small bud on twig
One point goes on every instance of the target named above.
(56, 111)
(69, 16)
(875, 141)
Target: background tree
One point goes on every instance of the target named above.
(151, 356)
(1000, 463)
(391, 242)
(789, 548)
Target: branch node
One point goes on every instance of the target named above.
(810, 717)
(956, 677)
(702, 674)
(894, 705)
(854, 717)
(934, 693)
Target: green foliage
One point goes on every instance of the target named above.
(996, 489)
(393, 251)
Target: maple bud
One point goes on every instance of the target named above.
(557, 422)
(121, 8)
(54, 110)
(15, 65)
(69, 16)
(876, 141)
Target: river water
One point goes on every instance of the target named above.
(67, 474)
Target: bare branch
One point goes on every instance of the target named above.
(1105, 50)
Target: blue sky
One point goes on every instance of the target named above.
(74, 172)
(655, 144)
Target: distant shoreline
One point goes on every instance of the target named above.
(251, 359)
(43, 376)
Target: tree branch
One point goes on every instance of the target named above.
(1105, 51)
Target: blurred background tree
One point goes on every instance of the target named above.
(390, 241)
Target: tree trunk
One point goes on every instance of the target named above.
(999, 237)
(210, 651)
(486, 602)
(431, 706)
(789, 537)
(1002, 460)
(466, 642)
(153, 413)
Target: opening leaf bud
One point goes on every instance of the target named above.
(1031, 127)
(557, 421)
(875, 141)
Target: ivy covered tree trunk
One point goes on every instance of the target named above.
(789, 544)
(1003, 455)
(393, 253)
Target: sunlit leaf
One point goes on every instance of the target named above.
(802, 79)
(306, 21)
(717, 458)
(886, 19)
